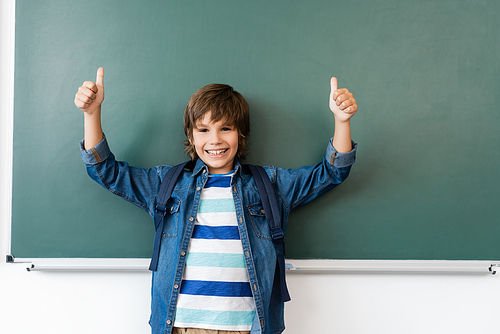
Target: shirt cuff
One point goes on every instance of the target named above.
(96, 154)
(341, 160)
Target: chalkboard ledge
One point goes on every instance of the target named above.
(292, 266)
(394, 266)
(86, 264)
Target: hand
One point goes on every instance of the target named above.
(342, 103)
(90, 95)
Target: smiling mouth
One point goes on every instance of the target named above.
(216, 152)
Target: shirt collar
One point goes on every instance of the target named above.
(200, 167)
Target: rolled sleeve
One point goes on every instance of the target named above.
(341, 160)
(96, 154)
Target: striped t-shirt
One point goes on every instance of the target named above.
(215, 291)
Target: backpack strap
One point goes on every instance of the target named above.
(166, 188)
(271, 210)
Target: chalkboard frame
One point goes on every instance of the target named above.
(429, 81)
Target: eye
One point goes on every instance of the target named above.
(227, 128)
(202, 130)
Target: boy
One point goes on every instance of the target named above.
(216, 267)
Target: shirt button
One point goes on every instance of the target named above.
(198, 188)
(191, 219)
(176, 286)
(183, 253)
(169, 322)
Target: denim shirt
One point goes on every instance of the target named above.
(293, 188)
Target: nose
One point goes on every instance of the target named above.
(215, 138)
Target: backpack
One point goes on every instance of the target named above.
(269, 204)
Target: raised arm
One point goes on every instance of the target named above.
(343, 105)
(89, 99)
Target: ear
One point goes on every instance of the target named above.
(189, 137)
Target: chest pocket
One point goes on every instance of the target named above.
(171, 226)
(259, 222)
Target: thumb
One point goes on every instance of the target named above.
(333, 85)
(100, 77)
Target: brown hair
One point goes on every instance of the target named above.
(224, 104)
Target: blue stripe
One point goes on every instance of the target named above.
(216, 205)
(216, 232)
(218, 182)
(217, 289)
(216, 260)
(224, 318)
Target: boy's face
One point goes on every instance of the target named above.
(216, 144)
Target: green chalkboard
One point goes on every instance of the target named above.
(425, 74)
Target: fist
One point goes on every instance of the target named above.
(90, 95)
(342, 103)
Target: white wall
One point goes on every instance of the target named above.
(57, 303)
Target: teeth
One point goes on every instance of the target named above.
(216, 152)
